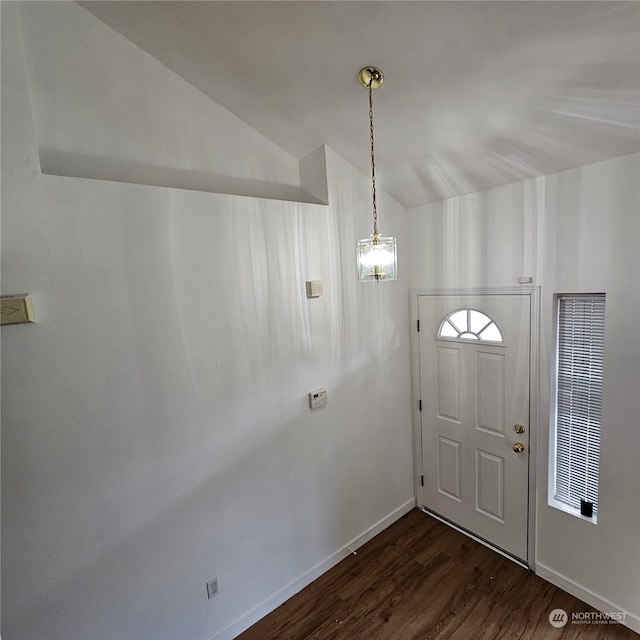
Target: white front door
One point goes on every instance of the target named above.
(474, 379)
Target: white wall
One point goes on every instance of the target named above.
(155, 426)
(592, 243)
(576, 231)
(103, 108)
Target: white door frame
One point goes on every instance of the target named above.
(534, 296)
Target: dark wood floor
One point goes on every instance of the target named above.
(420, 580)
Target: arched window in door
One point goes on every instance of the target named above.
(470, 324)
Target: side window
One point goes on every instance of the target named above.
(575, 466)
(469, 324)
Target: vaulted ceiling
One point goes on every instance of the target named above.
(476, 94)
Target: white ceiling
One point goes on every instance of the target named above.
(476, 94)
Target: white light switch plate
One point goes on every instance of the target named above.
(314, 288)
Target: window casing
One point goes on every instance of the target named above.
(578, 390)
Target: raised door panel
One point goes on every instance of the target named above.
(490, 485)
(448, 383)
(490, 384)
(449, 468)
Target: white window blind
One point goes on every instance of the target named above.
(580, 365)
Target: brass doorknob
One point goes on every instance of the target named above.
(519, 428)
(518, 447)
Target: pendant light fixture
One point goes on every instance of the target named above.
(376, 256)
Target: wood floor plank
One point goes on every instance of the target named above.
(422, 580)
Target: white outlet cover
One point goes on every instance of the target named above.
(213, 587)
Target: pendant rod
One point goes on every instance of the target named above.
(372, 78)
(373, 166)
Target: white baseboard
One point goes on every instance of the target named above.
(274, 601)
(587, 596)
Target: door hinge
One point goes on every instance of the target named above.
(419, 405)
(418, 323)
(422, 481)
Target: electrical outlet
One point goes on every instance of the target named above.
(213, 587)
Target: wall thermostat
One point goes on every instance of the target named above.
(317, 398)
(15, 309)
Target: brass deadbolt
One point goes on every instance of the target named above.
(519, 428)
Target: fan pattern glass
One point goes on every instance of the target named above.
(470, 324)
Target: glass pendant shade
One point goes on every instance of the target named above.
(376, 259)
